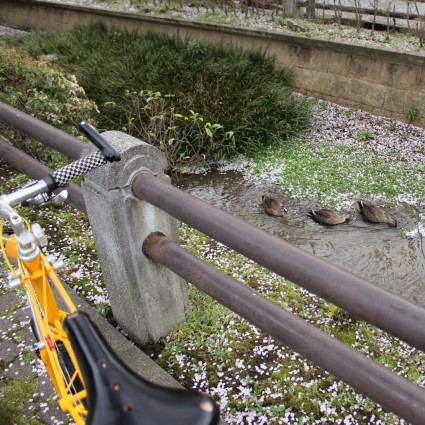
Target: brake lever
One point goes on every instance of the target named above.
(43, 199)
(59, 197)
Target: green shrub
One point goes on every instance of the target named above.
(45, 92)
(186, 140)
(243, 91)
(412, 113)
(365, 134)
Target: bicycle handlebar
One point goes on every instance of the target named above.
(64, 175)
(115, 394)
(106, 153)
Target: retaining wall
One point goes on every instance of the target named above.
(385, 82)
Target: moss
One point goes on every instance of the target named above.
(15, 394)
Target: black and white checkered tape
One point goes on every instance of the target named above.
(78, 168)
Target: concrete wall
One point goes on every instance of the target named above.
(382, 81)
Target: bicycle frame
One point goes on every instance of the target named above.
(38, 277)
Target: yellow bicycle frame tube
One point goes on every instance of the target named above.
(39, 279)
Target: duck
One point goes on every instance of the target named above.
(272, 206)
(329, 217)
(374, 214)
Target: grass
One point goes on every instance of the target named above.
(25, 397)
(335, 174)
(15, 392)
(255, 379)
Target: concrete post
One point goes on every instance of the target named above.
(147, 300)
(291, 9)
(310, 11)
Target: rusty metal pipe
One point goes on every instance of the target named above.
(378, 383)
(364, 300)
(28, 165)
(45, 133)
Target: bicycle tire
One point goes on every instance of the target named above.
(67, 366)
(33, 329)
(65, 362)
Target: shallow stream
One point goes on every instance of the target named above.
(380, 254)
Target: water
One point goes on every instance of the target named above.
(374, 252)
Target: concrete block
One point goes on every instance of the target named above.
(147, 299)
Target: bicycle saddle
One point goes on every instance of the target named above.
(116, 395)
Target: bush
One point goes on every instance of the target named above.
(242, 91)
(186, 140)
(36, 87)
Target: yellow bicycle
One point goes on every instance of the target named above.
(92, 383)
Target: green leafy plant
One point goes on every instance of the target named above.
(44, 91)
(403, 137)
(197, 49)
(187, 140)
(412, 113)
(242, 90)
(364, 135)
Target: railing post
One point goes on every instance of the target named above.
(147, 300)
(310, 11)
(291, 8)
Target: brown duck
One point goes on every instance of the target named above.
(272, 206)
(329, 217)
(374, 214)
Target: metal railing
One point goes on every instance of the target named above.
(360, 298)
(353, 294)
(380, 384)
(38, 130)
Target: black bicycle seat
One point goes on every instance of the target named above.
(117, 395)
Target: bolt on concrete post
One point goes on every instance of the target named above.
(147, 299)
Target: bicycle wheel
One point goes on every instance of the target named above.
(68, 368)
(65, 362)
(72, 395)
(35, 333)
